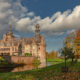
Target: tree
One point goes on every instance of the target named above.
(2, 59)
(67, 53)
(52, 54)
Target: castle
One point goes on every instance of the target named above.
(12, 46)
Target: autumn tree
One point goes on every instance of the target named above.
(69, 46)
(52, 54)
(69, 40)
(72, 41)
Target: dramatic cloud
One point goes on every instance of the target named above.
(16, 14)
(11, 12)
(61, 22)
(27, 24)
(55, 25)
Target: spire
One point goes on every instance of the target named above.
(10, 29)
(37, 29)
(37, 33)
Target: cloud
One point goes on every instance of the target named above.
(24, 21)
(55, 25)
(30, 14)
(27, 24)
(61, 22)
(17, 36)
(11, 12)
(71, 31)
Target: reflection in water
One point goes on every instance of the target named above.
(28, 67)
(25, 68)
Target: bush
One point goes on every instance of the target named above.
(28, 54)
(2, 59)
(36, 62)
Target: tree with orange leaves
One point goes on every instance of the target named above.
(53, 54)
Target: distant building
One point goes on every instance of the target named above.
(9, 45)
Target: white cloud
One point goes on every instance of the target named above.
(30, 14)
(57, 24)
(71, 31)
(27, 24)
(11, 12)
(22, 20)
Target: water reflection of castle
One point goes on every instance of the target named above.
(9, 45)
(28, 67)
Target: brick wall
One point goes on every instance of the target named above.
(19, 59)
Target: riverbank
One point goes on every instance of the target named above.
(8, 67)
(48, 73)
(7, 64)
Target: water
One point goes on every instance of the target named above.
(28, 67)
(25, 68)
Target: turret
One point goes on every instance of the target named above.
(37, 34)
(10, 30)
(9, 36)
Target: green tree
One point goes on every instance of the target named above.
(2, 59)
(67, 53)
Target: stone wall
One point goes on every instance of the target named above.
(19, 59)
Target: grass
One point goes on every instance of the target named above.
(48, 73)
(55, 60)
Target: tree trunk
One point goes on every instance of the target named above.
(72, 62)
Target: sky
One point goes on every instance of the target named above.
(57, 18)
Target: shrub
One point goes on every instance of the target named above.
(2, 59)
(36, 62)
(28, 54)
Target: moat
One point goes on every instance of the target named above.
(23, 68)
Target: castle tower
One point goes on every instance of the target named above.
(10, 30)
(37, 33)
(40, 42)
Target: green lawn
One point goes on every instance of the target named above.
(48, 73)
(55, 60)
